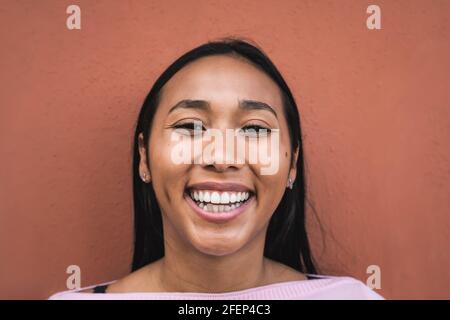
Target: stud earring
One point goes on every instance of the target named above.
(290, 184)
(144, 177)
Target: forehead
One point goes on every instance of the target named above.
(221, 78)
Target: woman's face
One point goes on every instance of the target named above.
(216, 207)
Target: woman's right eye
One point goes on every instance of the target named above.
(195, 127)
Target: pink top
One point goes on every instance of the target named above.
(322, 288)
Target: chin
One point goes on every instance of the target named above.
(217, 245)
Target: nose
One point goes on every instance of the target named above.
(221, 163)
(223, 156)
(222, 167)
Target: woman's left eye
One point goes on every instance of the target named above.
(254, 129)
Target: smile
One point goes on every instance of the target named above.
(213, 202)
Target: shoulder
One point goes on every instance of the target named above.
(327, 287)
(79, 294)
(144, 279)
(139, 280)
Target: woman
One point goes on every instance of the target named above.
(210, 228)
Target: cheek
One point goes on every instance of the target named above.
(165, 156)
(271, 187)
(272, 157)
(168, 177)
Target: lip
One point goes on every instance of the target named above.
(219, 217)
(219, 186)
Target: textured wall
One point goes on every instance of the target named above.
(374, 108)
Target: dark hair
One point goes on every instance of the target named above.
(286, 239)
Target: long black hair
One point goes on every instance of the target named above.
(286, 239)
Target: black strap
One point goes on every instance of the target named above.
(100, 289)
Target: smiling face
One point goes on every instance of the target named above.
(214, 207)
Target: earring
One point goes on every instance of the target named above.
(144, 177)
(290, 183)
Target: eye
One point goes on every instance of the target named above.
(253, 130)
(195, 127)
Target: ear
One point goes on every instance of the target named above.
(144, 171)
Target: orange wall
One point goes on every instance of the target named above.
(374, 108)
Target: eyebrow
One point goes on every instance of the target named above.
(256, 105)
(191, 104)
(204, 105)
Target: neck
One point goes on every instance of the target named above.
(186, 269)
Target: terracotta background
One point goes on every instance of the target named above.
(374, 108)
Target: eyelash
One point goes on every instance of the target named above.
(257, 128)
(186, 125)
(190, 126)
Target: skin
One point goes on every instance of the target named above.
(203, 256)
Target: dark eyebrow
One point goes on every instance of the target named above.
(187, 104)
(256, 105)
(204, 105)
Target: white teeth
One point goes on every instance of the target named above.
(214, 201)
(218, 207)
(215, 197)
(219, 197)
(225, 198)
